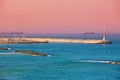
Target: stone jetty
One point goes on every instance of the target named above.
(19, 41)
(58, 40)
(31, 53)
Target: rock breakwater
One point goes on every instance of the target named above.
(31, 53)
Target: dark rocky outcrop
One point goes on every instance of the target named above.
(3, 48)
(112, 62)
(31, 53)
(107, 42)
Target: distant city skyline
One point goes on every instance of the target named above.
(60, 16)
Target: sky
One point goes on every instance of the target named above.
(60, 16)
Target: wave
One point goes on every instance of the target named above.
(49, 55)
(8, 53)
(9, 48)
(93, 61)
(99, 61)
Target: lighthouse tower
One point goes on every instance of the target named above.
(104, 34)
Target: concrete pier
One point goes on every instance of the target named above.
(19, 41)
(58, 40)
(71, 40)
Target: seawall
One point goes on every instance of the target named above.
(59, 40)
(71, 40)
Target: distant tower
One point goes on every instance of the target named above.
(104, 34)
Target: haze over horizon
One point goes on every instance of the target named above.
(63, 16)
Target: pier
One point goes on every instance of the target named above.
(52, 40)
(19, 41)
(24, 40)
(87, 41)
(16, 38)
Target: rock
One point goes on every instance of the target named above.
(31, 53)
(3, 48)
(111, 62)
(107, 42)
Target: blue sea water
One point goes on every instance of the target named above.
(67, 61)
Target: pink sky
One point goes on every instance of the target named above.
(60, 16)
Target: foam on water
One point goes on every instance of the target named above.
(49, 55)
(99, 61)
(9, 48)
(93, 61)
(8, 53)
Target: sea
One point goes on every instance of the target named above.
(66, 61)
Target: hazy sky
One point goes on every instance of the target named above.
(60, 16)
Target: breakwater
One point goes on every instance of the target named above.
(3, 48)
(19, 41)
(31, 53)
(45, 40)
(90, 41)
